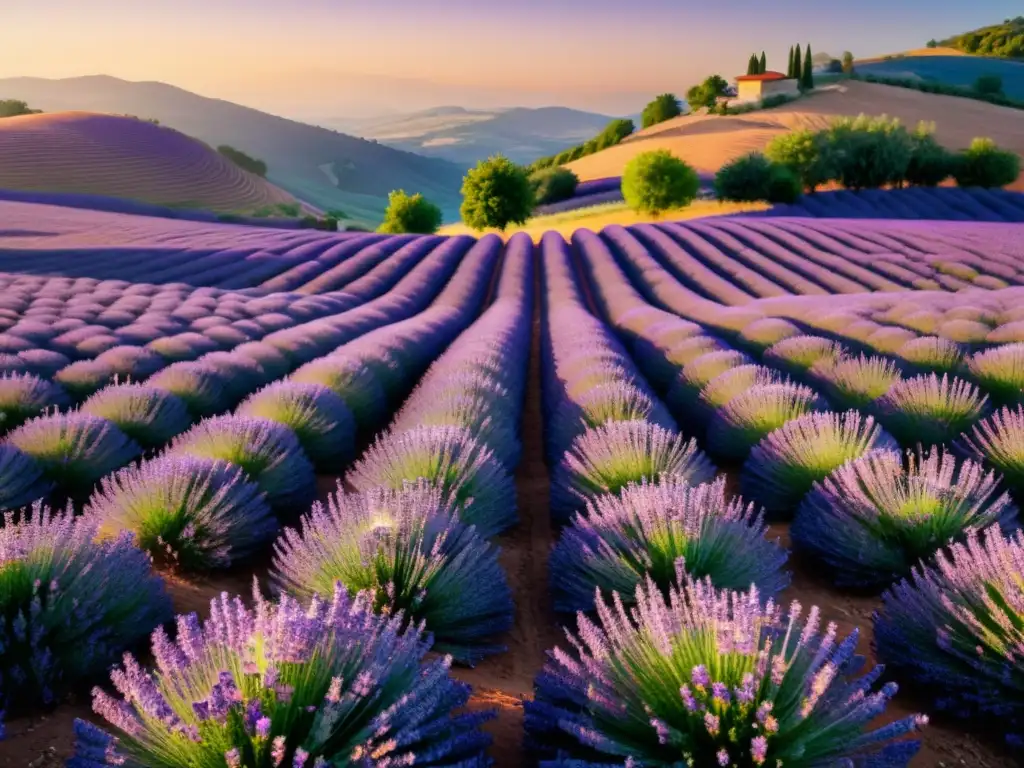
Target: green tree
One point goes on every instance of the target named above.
(762, 64)
(243, 161)
(869, 152)
(984, 164)
(807, 78)
(989, 85)
(410, 213)
(552, 185)
(806, 154)
(930, 162)
(664, 107)
(496, 193)
(15, 107)
(754, 177)
(752, 65)
(933, 43)
(655, 182)
(798, 66)
(707, 93)
(789, 68)
(847, 62)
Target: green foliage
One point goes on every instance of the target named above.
(762, 64)
(798, 66)
(288, 209)
(553, 185)
(805, 153)
(868, 152)
(243, 161)
(336, 213)
(753, 67)
(410, 213)
(933, 86)
(14, 107)
(754, 177)
(1005, 41)
(664, 107)
(706, 94)
(983, 164)
(932, 43)
(847, 62)
(789, 67)
(807, 76)
(655, 182)
(611, 135)
(930, 162)
(834, 67)
(496, 193)
(989, 85)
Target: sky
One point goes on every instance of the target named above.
(320, 59)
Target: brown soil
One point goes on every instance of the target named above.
(502, 682)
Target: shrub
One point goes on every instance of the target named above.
(725, 386)
(782, 468)
(69, 605)
(955, 627)
(15, 107)
(243, 161)
(606, 459)
(932, 354)
(84, 377)
(21, 479)
(856, 382)
(999, 442)
(74, 450)
(871, 521)
(410, 213)
(762, 333)
(452, 460)
(136, 363)
(1000, 372)
(868, 153)
(989, 85)
(409, 551)
(927, 410)
(553, 185)
(496, 193)
(268, 452)
(806, 154)
(684, 392)
(930, 162)
(798, 354)
(324, 425)
(149, 416)
(640, 534)
(24, 396)
(753, 177)
(748, 417)
(714, 676)
(663, 107)
(983, 164)
(353, 382)
(289, 685)
(198, 385)
(655, 182)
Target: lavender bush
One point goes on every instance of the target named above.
(353, 382)
(450, 459)
(24, 396)
(268, 452)
(410, 552)
(1000, 372)
(283, 684)
(606, 459)
(187, 513)
(642, 533)
(706, 677)
(797, 354)
(927, 410)
(148, 415)
(856, 382)
(198, 385)
(74, 450)
(932, 354)
(684, 391)
(21, 479)
(84, 377)
(872, 520)
(999, 442)
(782, 467)
(956, 627)
(68, 604)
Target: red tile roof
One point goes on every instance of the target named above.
(763, 77)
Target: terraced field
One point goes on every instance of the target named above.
(121, 157)
(483, 433)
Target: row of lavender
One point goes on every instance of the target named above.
(869, 514)
(674, 664)
(216, 481)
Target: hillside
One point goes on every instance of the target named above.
(709, 141)
(86, 153)
(1004, 40)
(327, 168)
(467, 136)
(948, 66)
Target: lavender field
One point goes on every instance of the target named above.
(278, 497)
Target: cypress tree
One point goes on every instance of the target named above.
(762, 64)
(752, 65)
(797, 65)
(789, 70)
(807, 81)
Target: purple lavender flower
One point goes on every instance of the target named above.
(391, 708)
(684, 392)
(796, 355)
(82, 378)
(642, 533)
(932, 354)
(21, 479)
(767, 331)
(353, 382)
(268, 452)
(927, 410)
(132, 363)
(727, 385)
(409, 550)
(24, 396)
(871, 520)
(69, 604)
(199, 386)
(1000, 372)
(74, 450)
(856, 382)
(998, 441)
(148, 415)
(620, 689)
(955, 628)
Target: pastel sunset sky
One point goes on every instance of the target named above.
(326, 58)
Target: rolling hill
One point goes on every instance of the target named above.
(324, 167)
(94, 154)
(466, 136)
(709, 141)
(949, 67)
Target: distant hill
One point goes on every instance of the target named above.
(466, 136)
(327, 168)
(94, 154)
(1004, 40)
(707, 142)
(948, 66)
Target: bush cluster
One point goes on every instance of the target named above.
(755, 177)
(410, 213)
(655, 182)
(612, 134)
(553, 185)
